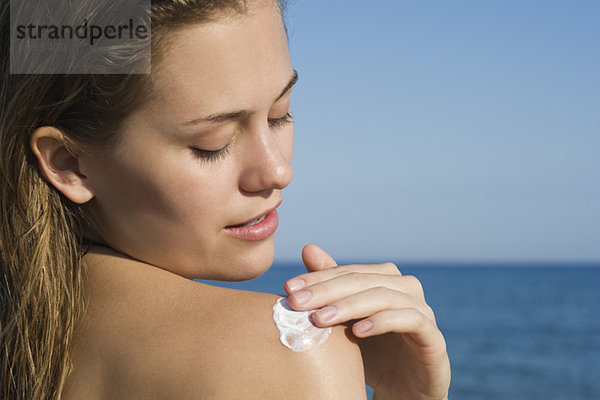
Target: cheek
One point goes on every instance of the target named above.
(172, 188)
(200, 197)
(204, 190)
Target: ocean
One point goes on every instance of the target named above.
(513, 331)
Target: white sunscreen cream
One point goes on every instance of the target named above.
(296, 331)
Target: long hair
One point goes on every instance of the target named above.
(42, 233)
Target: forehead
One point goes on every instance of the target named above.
(236, 61)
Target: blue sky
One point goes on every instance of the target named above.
(437, 130)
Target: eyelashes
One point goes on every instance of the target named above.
(210, 155)
(279, 122)
(215, 155)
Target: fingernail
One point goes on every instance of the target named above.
(302, 296)
(364, 326)
(326, 313)
(296, 284)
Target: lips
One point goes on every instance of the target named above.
(258, 228)
(250, 223)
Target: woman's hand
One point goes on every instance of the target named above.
(403, 350)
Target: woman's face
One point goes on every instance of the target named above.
(211, 150)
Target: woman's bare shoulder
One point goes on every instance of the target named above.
(152, 334)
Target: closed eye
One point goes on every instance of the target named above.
(210, 155)
(280, 122)
(215, 155)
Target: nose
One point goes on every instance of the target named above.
(266, 163)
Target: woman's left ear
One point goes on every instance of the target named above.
(59, 165)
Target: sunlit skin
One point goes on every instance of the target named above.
(164, 197)
(158, 202)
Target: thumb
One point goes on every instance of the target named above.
(316, 259)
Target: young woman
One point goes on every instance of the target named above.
(116, 189)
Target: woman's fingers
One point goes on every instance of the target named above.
(311, 278)
(345, 285)
(409, 321)
(368, 303)
(378, 295)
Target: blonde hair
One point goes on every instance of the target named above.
(42, 236)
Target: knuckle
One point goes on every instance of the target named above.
(429, 313)
(428, 310)
(413, 280)
(417, 318)
(390, 268)
(415, 284)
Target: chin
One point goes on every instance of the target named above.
(249, 261)
(250, 265)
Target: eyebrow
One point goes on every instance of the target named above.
(236, 115)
